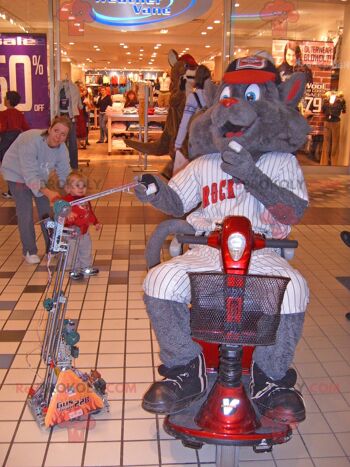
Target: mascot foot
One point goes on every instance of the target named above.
(277, 400)
(154, 148)
(181, 386)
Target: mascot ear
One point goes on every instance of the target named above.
(210, 89)
(172, 57)
(292, 90)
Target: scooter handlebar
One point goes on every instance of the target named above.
(192, 239)
(280, 243)
(269, 242)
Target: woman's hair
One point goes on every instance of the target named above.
(130, 98)
(62, 119)
(293, 45)
(202, 74)
(13, 98)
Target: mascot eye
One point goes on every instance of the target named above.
(225, 94)
(252, 93)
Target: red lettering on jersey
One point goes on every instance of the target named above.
(205, 196)
(230, 190)
(222, 195)
(214, 193)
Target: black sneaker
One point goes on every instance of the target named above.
(90, 271)
(181, 386)
(345, 236)
(6, 195)
(277, 400)
(76, 275)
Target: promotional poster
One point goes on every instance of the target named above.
(23, 68)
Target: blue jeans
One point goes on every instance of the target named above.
(103, 128)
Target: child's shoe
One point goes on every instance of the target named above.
(76, 275)
(90, 271)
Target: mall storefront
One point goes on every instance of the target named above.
(312, 37)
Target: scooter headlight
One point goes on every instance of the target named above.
(236, 245)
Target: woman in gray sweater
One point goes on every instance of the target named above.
(26, 166)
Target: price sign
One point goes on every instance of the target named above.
(23, 68)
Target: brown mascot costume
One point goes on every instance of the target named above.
(182, 77)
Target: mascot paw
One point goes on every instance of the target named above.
(147, 187)
(238, 162)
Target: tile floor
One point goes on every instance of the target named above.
(117, 339)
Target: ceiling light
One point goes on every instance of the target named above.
(123, 30)
(95, 46)
(210, 27)
(71, 43)
(207, 46)
(128, 53)
(236, 5)
(159, 45)
(125, 47)
(204, 33)
(164, 31)
(217, 21)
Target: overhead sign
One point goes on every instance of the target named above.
(148, 14)
(23, 68)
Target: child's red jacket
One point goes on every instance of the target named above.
(85, 215)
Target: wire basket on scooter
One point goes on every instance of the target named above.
(235, 309)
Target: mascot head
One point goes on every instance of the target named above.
(252, 106)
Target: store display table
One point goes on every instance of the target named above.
(120, 117)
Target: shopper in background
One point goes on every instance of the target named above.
(12, 123)
(27, 166)
(82, 216)
(88, 106)
(102, 103)
(130, 99)
(195, 101)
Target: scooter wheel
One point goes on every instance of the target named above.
(347, 316)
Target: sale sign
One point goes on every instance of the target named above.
(23, 68)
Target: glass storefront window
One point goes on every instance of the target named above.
(310, 37)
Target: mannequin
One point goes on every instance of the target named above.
(333, 106)
(164, 90)
(68, 102)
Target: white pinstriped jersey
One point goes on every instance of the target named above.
(203, 181)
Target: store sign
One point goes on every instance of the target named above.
(146, 13)
(23, 68)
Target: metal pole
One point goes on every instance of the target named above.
(57, 40)
(227, 37)
(51, 60)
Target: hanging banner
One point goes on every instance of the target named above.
(23, 68)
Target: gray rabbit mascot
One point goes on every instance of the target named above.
(242, 163)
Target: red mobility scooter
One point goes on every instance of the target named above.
(231, 313)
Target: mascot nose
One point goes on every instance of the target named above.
(228, 101)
